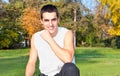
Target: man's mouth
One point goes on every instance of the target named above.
(51, 28)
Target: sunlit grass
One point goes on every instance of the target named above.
(91, 61)
(98, 61)
(13, 53)
(13, 62)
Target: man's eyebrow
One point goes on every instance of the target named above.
(54, 18)
(51, 19)
(46, 19)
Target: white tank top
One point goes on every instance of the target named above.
(49, 64)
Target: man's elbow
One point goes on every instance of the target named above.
(69, 59)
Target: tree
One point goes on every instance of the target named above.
(107, 17)
(10, 29)
(31, 20)
(32, 3)
(112, 12)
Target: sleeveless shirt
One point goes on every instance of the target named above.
(49, 63)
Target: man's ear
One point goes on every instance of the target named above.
(58, 19)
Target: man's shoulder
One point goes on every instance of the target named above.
(63, 28)
(38, 33)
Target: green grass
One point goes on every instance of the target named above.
(90, 61)
(98, 61)
(13, 62)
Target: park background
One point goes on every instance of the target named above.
(95, 23)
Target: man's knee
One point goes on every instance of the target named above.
(68, 66)
(71, 69)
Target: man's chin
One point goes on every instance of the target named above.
(51, 31)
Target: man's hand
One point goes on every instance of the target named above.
(46, 35)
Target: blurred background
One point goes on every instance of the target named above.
(94, 22)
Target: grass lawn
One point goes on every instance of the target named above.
(91, 62)
(98, 61)
(13, 62)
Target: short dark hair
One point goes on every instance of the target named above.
(48, 8)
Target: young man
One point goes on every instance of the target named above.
(54, 47)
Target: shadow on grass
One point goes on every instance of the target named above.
(87, 56)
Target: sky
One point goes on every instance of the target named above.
(89, 3)
(6, 1)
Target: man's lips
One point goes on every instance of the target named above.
(51, 28)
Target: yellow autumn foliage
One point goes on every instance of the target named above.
(112, 8)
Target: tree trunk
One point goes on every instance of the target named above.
(75, 25)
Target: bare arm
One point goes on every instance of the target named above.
(30, 68)
(67, 52)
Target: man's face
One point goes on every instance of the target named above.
(50, 22)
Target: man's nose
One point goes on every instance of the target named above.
(50, 23)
